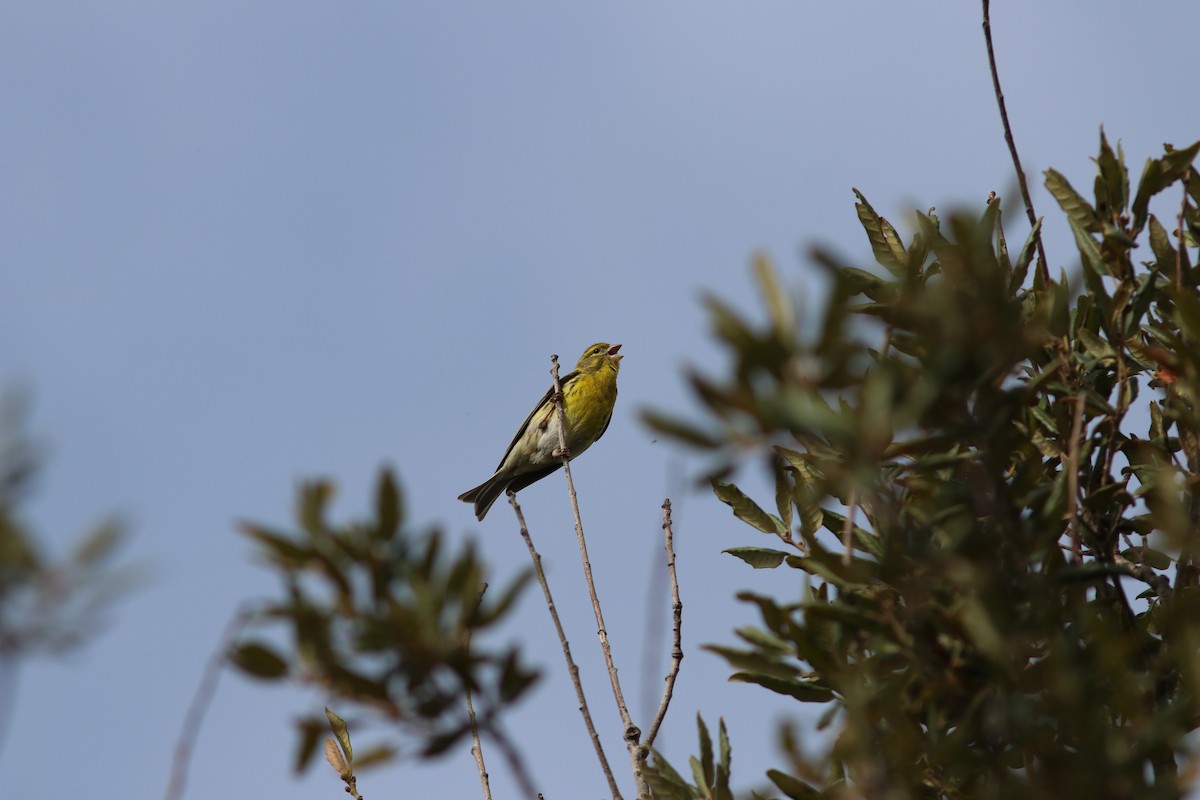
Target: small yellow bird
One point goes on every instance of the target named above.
(588, 396)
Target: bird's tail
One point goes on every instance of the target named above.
(486, 493)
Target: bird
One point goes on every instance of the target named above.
(588, 396)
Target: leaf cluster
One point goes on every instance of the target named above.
(997, 538)
(384, 620)
(47, 605)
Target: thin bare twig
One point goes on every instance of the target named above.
(632, 734)
(1043, 267)
(1073, 477)
(476, 745)
(202, 699)
(676, 636)
(572, 669)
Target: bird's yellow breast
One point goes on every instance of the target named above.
(588, 403)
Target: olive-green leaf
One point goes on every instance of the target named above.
(885, 241)
(746, 509)
(758, 557)
(793, 788)
(258, 661)
(802, 690)
(1078, 209)
(775, 296)
(338, 726)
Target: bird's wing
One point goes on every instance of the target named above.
(540, 405)
(525, 479)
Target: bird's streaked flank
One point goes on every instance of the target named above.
(588, 396)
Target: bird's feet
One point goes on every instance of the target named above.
(564, 452)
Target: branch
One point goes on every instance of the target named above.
(476, 746)
(201, 700)
(1043, 268)
(633, 734)
(1159, 583)
(677, 639)
(1073, 477)
(572, 669)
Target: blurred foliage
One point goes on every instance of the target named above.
(382, 620)
(46, 605)
(988, 486)
(710, 772)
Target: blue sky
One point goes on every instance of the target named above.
(248, 243)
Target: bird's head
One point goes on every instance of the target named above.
(598, 356)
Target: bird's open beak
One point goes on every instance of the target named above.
(612, 351)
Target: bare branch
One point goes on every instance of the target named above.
(201, 700)
(633, 734)
(572, 669)
(676, 636)
(1043, 267)
(476, 745)
(1073, 477)
(1159, 583)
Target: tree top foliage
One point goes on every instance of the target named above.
(989, 484)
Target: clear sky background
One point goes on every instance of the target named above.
(246, 243)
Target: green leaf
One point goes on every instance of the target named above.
(746, 509)
(1079, 211)
(388, 508)
(873, 286)
(1160, 243)
(885, 242)
(705, 777)
(1157, 431)
(1150, 557)
(279, 548)
(1187, 312)
(258, 661)
(758, 557)
(803, 690)
(312, 732)
(784, 492)
(724, 755)
(681, 431)
(863, 539)
(793, 788)
(775, 298)
(1158, 174)
(314, 497)
(1112, 184)
(338, 726)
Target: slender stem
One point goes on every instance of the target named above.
(1043, 267)
(476, 745)
(202, 699)
(676, 635)
(572, 669)
(633, 734)
(1073, 477)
